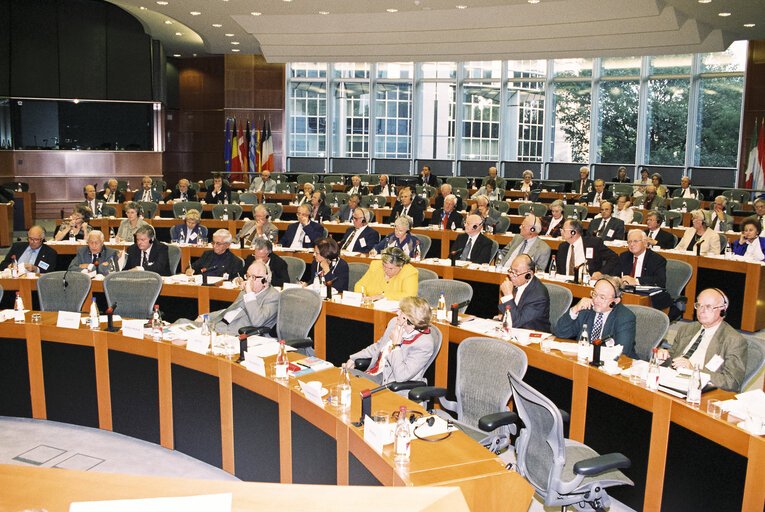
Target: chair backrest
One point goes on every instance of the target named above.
(494, 250)
(1, 293)
(690, 204)
(355, 272)
(539, 209)
(62, 291)
(425, 274)
(323, 187)
(502, 225)
(149, 209)
(108, 211)
(306, 178)
(425, 243)
(723, 242)
(427, 189)
(737, 194)
(457, 181)
(755, 359)
(678, 275)
(368, 201)
(286, 187)
(534, 195)
(248, 198)
(481, 385)
(133, 292)
(181, 207)
(569, 209)
(234, 211)
(622, 189)
(337, 178)
(340, 197)
(637, 217)
(298, 310)
(461, 192)
(174, 257)
(437, 340)
(159, 185)
(209, 183)
(275, 210)
(502, 206)
(560, 300)
(675, 217)
(455, 292)
(295, 268)
(650, 327)
(234, 196)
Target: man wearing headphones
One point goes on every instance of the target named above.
(577, 250)
(220, 261)
(605, 317)
(657, 236)
(405, 206)
(147, 253)
(472, 245)
(526, 296)
(447, 216)
(95, 253)
(34, 254)
(640, 265)
(303, 233)
(527, 242)
(711, 343)
(96, 205)
(359, 238)
(345, 212)
(319, 212)
(262, 250)
(607, 226)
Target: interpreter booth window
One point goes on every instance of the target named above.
(436, 121)
(351, 119)
(618, 109)
(572, 98)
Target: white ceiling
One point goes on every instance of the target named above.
(433, 30)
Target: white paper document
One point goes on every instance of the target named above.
(203, 503)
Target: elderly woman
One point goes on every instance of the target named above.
(489, 189)
(751, 245)
(526, 184)
(304, 196)
(709, 239)
(403, 352)
(260, 227)
(328, 264)
(391, 277)
(552, 224)
(401, 238)
(129, 226)
(656, 181)
(191, 231)
(623, 209)
(77, 225)
(639, 188)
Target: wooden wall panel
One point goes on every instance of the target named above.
(754, 101)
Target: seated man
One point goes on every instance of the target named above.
(345, 212)
(606, 227)
(262, 250)
(319, 211)
(605, 316)
(220, 192)
(404, 350)
(182, 193)
(305, 194)
(445, 190)
(489, 215)
(95, 256)
(33, 255)
(360, 238)
(651, 201)
(385, 188)
(596, 196)
(356, 187)
(527, 242)
(259, 227)
(426, 178)
(686, 191)
(711, 343)
(759, 212)
(586, 249)
(718, 218)
(147, 193)
(303, 233)
(448, 217)
(472, 245)
(405, 206)
(640, 265)
(96, 206)
(584, 184)
(220, 261)
(656, 235)
(147, 253)
(263, 183)
(110, 194)
(500, 181)
(525, 295)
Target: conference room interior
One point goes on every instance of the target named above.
(67, 122)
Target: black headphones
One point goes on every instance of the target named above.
(724, 310)
(533, 228)
(617, 291)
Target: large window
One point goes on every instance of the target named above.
(480, 121)
(351, 126)
(308, 118)
(393, 120)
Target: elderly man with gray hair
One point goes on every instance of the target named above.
(220, 261)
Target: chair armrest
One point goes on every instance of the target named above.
(424, 393)
(362, 363)
(299, 343)
(254, 331)
(409, 384)
(495, 420)
(600, 464)
(565, 416)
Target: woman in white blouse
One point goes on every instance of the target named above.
(699, 234)
(751, 245)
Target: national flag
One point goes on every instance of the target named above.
(236, 163)
(267, 153)
(246, 153)
(251, 152)
(258, 147)
(754, 169)
(227, 148)
(242, 154)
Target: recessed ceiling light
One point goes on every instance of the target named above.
(234, 42)
(168, 22)
(392, 10)
(217, 25)
(533, 1)
(229, 35)
(723, 14)
(749, 25)
(255, 13)
(179, 33)
(195, 13)
(286, 1)
(161, 2)
(234, 49)
(324, 12)
(705, 1)
(142, 8)
(462, 7)
(176, 55)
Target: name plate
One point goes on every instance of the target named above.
(68, 319)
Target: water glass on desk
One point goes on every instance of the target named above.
(713, 408)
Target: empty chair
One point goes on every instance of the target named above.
(295, 268)
(723, 242)
(336, 197)
(234, 197)
(501, 206)
(622, 189)
(560, 301)
(737, 195)
(689, 204)
(134, 292)
(650, 327)
(322, 187)
(423, 274)
(678, 275)
(426, 189)
(457, 181)
(455, 292)
(574, 210)
(234, 211)
(275, 210)
(62, 291)
(673, 219)
(538, 209)
(425, 243)
(306, 178)
(502, 225)
(174, 257)
(159, 185)
(248, 198)
(372, 201)
(637, 217)
(181, 207)
(563, 472)
(286, 187)
(733, 206)
(755, 359)
(355, 271)
(298, 310)
(149, 209)
(534, 195)
(480, 389)
(335, 179)
(108, 211)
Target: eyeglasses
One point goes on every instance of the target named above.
(221, 243)
(705, 307)
(600, 296)
(34, 239)
(516, 273)
(250, 276)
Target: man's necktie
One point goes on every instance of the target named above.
(144, 260)
(597, 326)
(93, 258)
(571, 266)
(466, 250)
(695, 345)
(634, 266)
(348, 242)
(602, 230)
(523, 246)
(444, 220)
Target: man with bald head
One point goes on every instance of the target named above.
(686, 191)
(96, 205)
(607, 226)
(32, 255)
(640, 265)
(95, 256)
(527, 242)
(147, 193)
(182, 193)
(447, 216)
(110, 194)
(597, 195)
(472, 245)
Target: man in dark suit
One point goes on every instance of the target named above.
(356, 187)
(303, 233)
(597, 195)
(607, 226)
(345, 212)
(445, 190)
(220, 260)
(472, 245)
(426, 178)
(182, 193)
(147, 193)
(604, 315)
(262, 250)
(640, 265)
(95, 252)
(584, 184)
(686, 191)
(385, 188)
(110, 194)
(525, 295)
(220, 192)
(586, 249)
(656, 235)
(448, 217)
(319, 211)
(95, 205)
(405, 206)
(360, 237)
(147, 253)
(489, 215)
(33, 254)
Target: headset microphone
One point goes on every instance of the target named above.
(612, 305)
(528, 276)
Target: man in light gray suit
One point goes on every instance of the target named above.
(717, 217)
(96, 254)
(527, 242)
(263, 183)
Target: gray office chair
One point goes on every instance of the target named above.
(108, 211)
(234, 211)
(234, 197)
(149, 209)
(181, 207)
(494, 250)
(480, 388)
(650, 327)
(678, 275)
(755, 359)
(1, 293)
(457, 181)
(298, 310)
(340, 197)
(501, 206)
(723, 242)
(249, 198)
(560, 300)
(637, 217)
(690, 204)
(737, 195)
(306, 178)
(622, 189)
(337, 178)
(368, 201)
(427, 189)
(286, 187)
(502, 225)
(209, 183)
(159, 185)
(355, 272)
(425, 274)
(462, 193)
(672, 218)
(455, 292)
(295, 268)
(275, 210)
(539, 209)
(563, 472)
(570, 209)
(323, 187)
(174, 257)
(134, 293)
(62, 291)
(425, 243)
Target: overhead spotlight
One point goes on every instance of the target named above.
(324, 12)
(749, 25)
(533, 1)
(234, 49)
(462, 7)
(392, 10)
(229, 35)
(217, 25)
(168, 22)
(723, 14)
(234, 42)
(161, 2)
(255, 13)
(176, 55)
(705, 1)
(195, 13)
(179, 33)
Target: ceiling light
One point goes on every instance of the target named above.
(195, 13)
(234, 49)
(533, 1)
(286, 1)
(229, 35)
(324, 12)
(176, 55)
(217, 25)
(255, 13)
(462, 7)
(723, 14)
(179, 33)
(234, 42)
(168, 22)
(142, 8)
(705, 1)
(75, 101)
(749, 25)
(392, 10)
(161, 2)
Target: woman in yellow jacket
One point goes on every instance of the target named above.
(391, 277)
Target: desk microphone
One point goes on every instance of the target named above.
(366, 404)
(110, 319)
(204, 273)
(454, 254)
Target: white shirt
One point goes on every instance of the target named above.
(147, 252)
(386, 190)
(754, 251)
(699, 355)
(146, 195)
(297, 242)
(639, 266)
(518, 292)
(577, 252)
(354, 237)
(471, 240)
(625, 215)
(688, 194)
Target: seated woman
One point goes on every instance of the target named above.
(129, 226)
(401, 238)
(190, 231)
(404, 350)
(260, 227)
(639, 188)
(699, 234)
(328, 264)
(392, 277)
(489, 189)
(76, 226)
(657, 181)
(526, 184)
(552, 224)
(751, 245)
